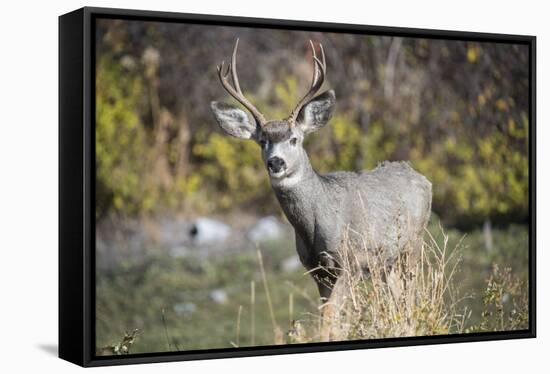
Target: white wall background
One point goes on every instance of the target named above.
(28, 183)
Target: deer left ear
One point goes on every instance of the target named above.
(316, 114)
(233, 120)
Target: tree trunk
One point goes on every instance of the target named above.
(488, 234)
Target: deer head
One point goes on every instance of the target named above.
(280, 140)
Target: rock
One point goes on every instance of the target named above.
(173, 233)
(291, 264)
(185, 308)
(218, 295)
(179, 251)
(207, 231)
(266, 229)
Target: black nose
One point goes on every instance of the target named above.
(275, 164)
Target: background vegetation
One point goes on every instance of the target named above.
(457, 110)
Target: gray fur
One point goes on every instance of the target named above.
(233, 121)
(317, 112)
(385, 209)
(276, 131)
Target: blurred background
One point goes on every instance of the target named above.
(182, 210)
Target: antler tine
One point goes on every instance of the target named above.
(323, 62)
(319, 74)
(235, 89)
(315, 68)
(234, 68)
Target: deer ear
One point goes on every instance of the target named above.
(233, 120)
(317, 112)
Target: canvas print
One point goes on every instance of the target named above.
(263, 187)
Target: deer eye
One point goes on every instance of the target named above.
(293, 141)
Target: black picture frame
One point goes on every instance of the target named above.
(77, 181)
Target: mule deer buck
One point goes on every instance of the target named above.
(390, 205)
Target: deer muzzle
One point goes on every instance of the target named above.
(276, 166)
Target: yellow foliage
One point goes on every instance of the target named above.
(472, 176)
(230, 170)
(473, 53)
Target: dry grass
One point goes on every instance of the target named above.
(505, 302)
(415, 296)
(121, 348)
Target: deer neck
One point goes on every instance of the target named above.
(298, 195)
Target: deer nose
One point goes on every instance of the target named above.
(275, 164)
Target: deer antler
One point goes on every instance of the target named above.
(235, 89)
(319, 74)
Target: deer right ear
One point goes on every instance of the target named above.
(233, 120)
(316, 114)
